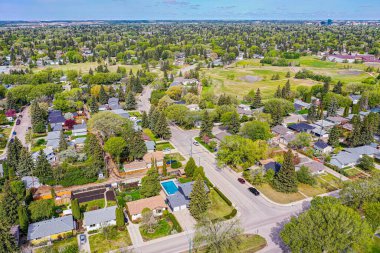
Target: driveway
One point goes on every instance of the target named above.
(86, 246)
(185, 219)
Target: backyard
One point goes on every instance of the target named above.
(66, 245)
(95, 204)
(163, 145)
(114, 239)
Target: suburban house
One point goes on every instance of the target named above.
(97, 219)
(351, 156)
(193, 107)
(57, 127)
(301, 127)
(113, 103)
(181, 199)
(157, 157)
(315, 168)
(53, 139)
(80, 129)
(79, 143)
(220, 136)
(56, 117)
(300, 105)
(121, 112)
(319, 131)
(49, 153)
(179, 81)
(1, 170)
(270, 164)
(280, 131)
(31, 182)
(244, 110)
(134, 166)
(322, 147)
(50, 230)
(337, 120)
(150, 146)
(355, 98)
(294, 118)
(156, 204)
(286, 139)
(341, 58)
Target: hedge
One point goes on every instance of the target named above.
(341, 171)
(208, 183)
(223, 196)
(176, 225)
(231, 215)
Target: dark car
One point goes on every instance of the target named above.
(241, 180)
(18, 122)
(82, 239)
(254, 191)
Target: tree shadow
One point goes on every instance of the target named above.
(275, 235)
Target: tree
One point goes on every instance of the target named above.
(190, 167)
(150, 184)
(136, 146)
(7, 241)
(366, 163)
(130, 102)
(304, 176)
(8, 205)
(285, 180)
(338, 88)
(334, 136)
(312, 114)
(23, 219)
(206, 126)
(76, 209)
(26, 164)
(115, 146)
(332, 107)
(164, 169)
(372, 214)
(144, 120)
(232, 121)
(120, 221)
(257, 100)
(199, 199)
(41, 209)
(199, 171)
(326, 228)
(62, 142)
(161, 129)
(108, 123)
(278, 108)
(288, 75)
(43, 169)
(256, 130)
(93, 105)
(286, 91)
(11, 101)
(148, 220)
(103, 97)
(301, 140)
(355, 137)
(219, 236)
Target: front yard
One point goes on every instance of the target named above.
(164, 145)
(66, 245)
(165, 226)
(115, 239)
(279, 197)
(218, 208)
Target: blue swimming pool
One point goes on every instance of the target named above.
(169, 187)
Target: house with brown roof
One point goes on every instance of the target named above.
(156, 204)
(157, 156)
(134, 166)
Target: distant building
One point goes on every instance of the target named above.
(351, 156)
(80, 129)
(323, 147)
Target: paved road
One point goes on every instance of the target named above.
(187, 68)
(143, 103)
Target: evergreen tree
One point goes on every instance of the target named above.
(355, 109)
(190, 167)
(312, 114)
(334, 136)
(144, 120)
(366, 133)
(136, 146)
(7, 241)
(332, 107)
(150, 184)
(103, 97)
(11, 102)
(286, 92)
(26, 163)
(23, 219)
(121, 94)
(278, 93)
(206, 126)
(164, 169)
(62, 142)
(346, 111)
(38, 117)
(234, 124)
(257, 100)
(9, 206)
(130, 102)
(338, 88)
(363, 102)
(161, 128)
(199, 199)
(355, 138)
(288, 75)
(153, 118)
(286, 180)
(76, 209)
(14, 153)
(93, 105)
(43, 169)
(326, 87)
(120, 221)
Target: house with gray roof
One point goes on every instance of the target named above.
(80, 129)
(350, 156)
(53, 135)
(150, 146)
(280, 130)
(51, 229)
(121, 112)
(53, 144)
(97, 219)
(113, 103)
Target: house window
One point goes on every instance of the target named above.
(93, 225)
(158, 211)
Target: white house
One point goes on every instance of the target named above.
(97, 219)
(156, 204)
(80, 129)
(323, 147)
(193, 107)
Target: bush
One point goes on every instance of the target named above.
(76, 176)
(223, 196)
(176, 164)
(176, 225)
(208, 183)
(231, 215)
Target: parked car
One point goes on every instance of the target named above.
(82, 239)
(18, 122)
(254, 191)
(241, 180)
(196, 143)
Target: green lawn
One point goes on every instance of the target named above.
(175, 156)
(38, 148)
(99, 244)
(183, 180)
(92, 205)
(351, 172)
(66, 245)
(311, 191)
(163, 145)
(218, 208)
(134, 114)
(198, 139)
(279, 197)
(332, 180)
(163, 228)
(376, 245)
(135, 194)
(149, 133)
(85, 67)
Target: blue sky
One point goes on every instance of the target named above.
(188, 9)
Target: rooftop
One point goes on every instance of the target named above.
(50, 227)
(99, 216)
(136, 207)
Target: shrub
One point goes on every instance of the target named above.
(231, 215)
(176, 164)
(223, 196)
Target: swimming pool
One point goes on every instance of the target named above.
(169, 187)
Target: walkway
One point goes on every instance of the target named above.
(134, 233)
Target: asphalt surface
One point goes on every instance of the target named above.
(143, 103)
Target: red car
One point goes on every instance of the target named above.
(241, 180)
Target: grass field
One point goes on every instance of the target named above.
(85, 67)
(164, 145)
(99, 244)
(218, 208)
(279, 197)
(239, 78)
(311, 191)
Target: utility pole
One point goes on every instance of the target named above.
(191, 148)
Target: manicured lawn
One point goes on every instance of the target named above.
(38, 148)
(279, 197)
(60, 246)
(92, 205)
(376, 245)
(218, 208)
(248, 244)
(175, 156)
(164, 145)
(99, 244)
(135, 194)
(332, 180)
(149, 133)
(183, 180)
(311, 191)
(134, 114)
(352, 172)
(163, 228)
(204, 144)
(79, 136)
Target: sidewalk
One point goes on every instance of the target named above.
(134, 233)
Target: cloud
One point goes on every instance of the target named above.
(229, 7)
(175, 2)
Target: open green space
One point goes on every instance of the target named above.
(175, 156)
(352, 172)
(86, 66)
(66, 245)
(163, 145)
(279, 197)
(332, 180)
(116, 239)
(218, 208)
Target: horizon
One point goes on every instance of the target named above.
(187, 10)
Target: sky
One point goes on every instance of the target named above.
(189, 9)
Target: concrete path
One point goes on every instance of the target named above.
(86, 246)
(134, 233)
